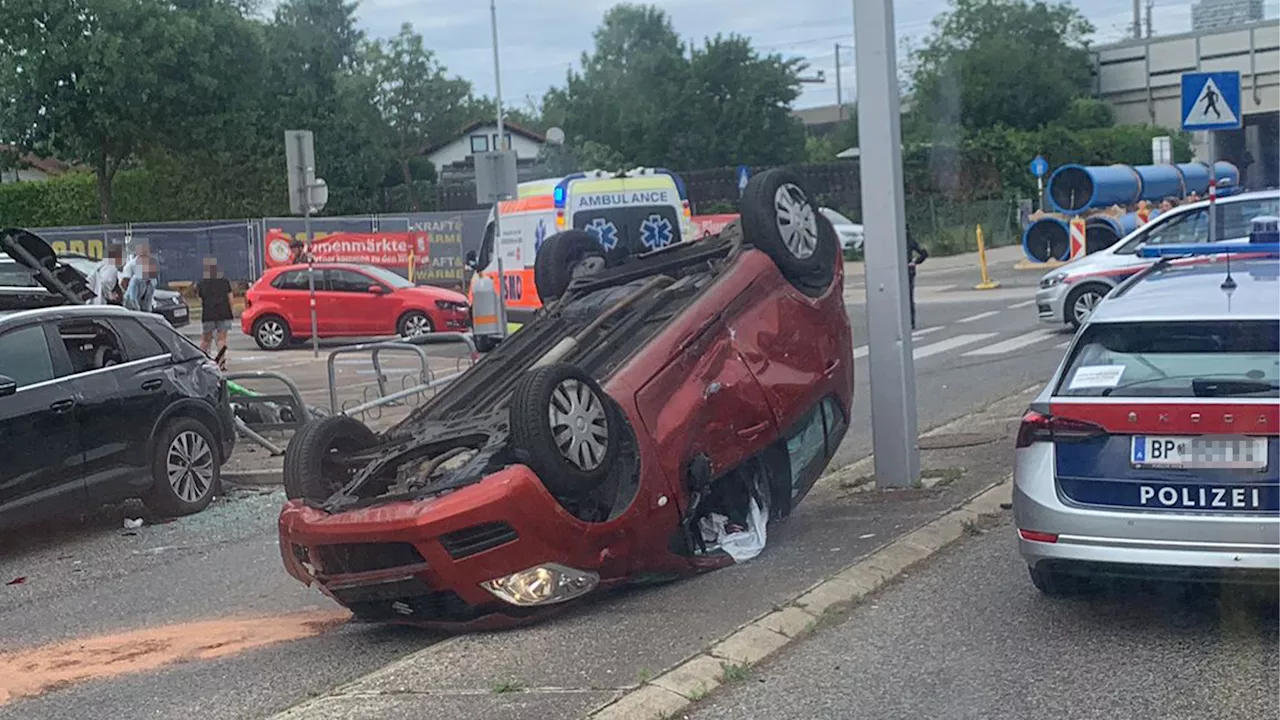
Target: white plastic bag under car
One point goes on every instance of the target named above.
(741, 546)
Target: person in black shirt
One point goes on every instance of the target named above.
(215, 301)
(915, 256)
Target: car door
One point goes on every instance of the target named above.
(706, 402)
(41, 462)
(122, 389)
(292, 293)
(350, 309)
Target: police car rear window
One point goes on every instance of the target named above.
(1175, 359)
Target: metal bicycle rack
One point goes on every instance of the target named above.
(410, 393)
(272, 407)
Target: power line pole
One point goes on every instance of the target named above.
(839, 87)
(1137, 19)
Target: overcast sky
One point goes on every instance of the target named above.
(540, 39)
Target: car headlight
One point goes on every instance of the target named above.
(545, 584)
(451, 305)
(1052, 279)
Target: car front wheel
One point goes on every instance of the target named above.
(414, 324)
(185, 467)
(315, 464)
(1082, 302)
(564, 429)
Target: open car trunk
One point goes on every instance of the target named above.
(462, 434)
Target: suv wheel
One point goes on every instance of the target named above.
(780, 219)
(563, 428)
(271, 332)
(185, 468)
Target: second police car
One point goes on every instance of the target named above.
(1153, 449)
(1069, 293)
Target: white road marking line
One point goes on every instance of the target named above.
(1062, 345)
(1014, 343)
(862, 350)
(979, 316)
(950, 343)
(1025, 303)
(925, 331)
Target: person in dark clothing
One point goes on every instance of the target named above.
(215, 309)
(915, 256)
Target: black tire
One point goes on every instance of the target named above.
(585, 460)
(266, 338)
(558, 259)
(310, 472)
(1081, 295)
(411, 324)
(486, 343)
(1056, 584)
(780, 219)
(197, 457)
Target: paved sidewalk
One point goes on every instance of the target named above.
(603, 655)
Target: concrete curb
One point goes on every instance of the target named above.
(676, 689)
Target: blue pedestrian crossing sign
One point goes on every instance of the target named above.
(1211, 101)
(744, 176)
(1039, 166)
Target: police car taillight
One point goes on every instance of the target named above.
(1040, 427)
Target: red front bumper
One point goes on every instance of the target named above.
(423, 562)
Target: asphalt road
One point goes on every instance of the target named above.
(96, 581)
(967, 636)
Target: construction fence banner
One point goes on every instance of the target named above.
(709, 225)
(244, 249)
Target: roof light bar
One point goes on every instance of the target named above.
(1203, 249)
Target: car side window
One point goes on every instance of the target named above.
(91, 344)
(807, 445)
(296, 280)
(173, 341)
(1235, 219)
(24, 355)
(138, 343)
(1191, 227)
(833, 418)
(348, 281)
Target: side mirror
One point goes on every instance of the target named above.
(8, 386)
(375, 289)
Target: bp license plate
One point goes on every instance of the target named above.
(1171, 451)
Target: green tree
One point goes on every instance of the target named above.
(100, 80)
(419, 102)
(1017, 63)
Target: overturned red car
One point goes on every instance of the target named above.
(646, 424)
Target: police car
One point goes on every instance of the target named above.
(1153, 449)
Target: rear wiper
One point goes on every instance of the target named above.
(1209, 387)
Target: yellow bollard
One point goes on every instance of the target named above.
(411, 264)
(987, 283)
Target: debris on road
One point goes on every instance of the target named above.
(132, 523)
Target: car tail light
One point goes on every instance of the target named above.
(1040, 427)
(1034, 536)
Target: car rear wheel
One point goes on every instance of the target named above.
(1082, 302)
(780, 219)
(186, 468)
(314, 462)
(415, 323)
(271, 332)
(1056, 583)
(563, 257)
(564, 429)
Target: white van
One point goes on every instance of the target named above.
(630, 212)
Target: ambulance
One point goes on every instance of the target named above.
(630, 213)
(525, 223)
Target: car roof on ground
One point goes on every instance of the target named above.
(1193, 291)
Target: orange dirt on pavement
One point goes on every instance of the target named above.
(30, 672)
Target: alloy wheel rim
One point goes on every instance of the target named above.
(271, 333)
(1085, 305)
(417, 325)
(189, 466)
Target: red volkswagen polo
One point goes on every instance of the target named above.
(648, 422)
(351, 301)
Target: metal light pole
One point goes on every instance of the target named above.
(497, 204)
(893, 374)
(306, 232)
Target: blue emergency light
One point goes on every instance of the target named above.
(1203, 249)
(558, 195)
